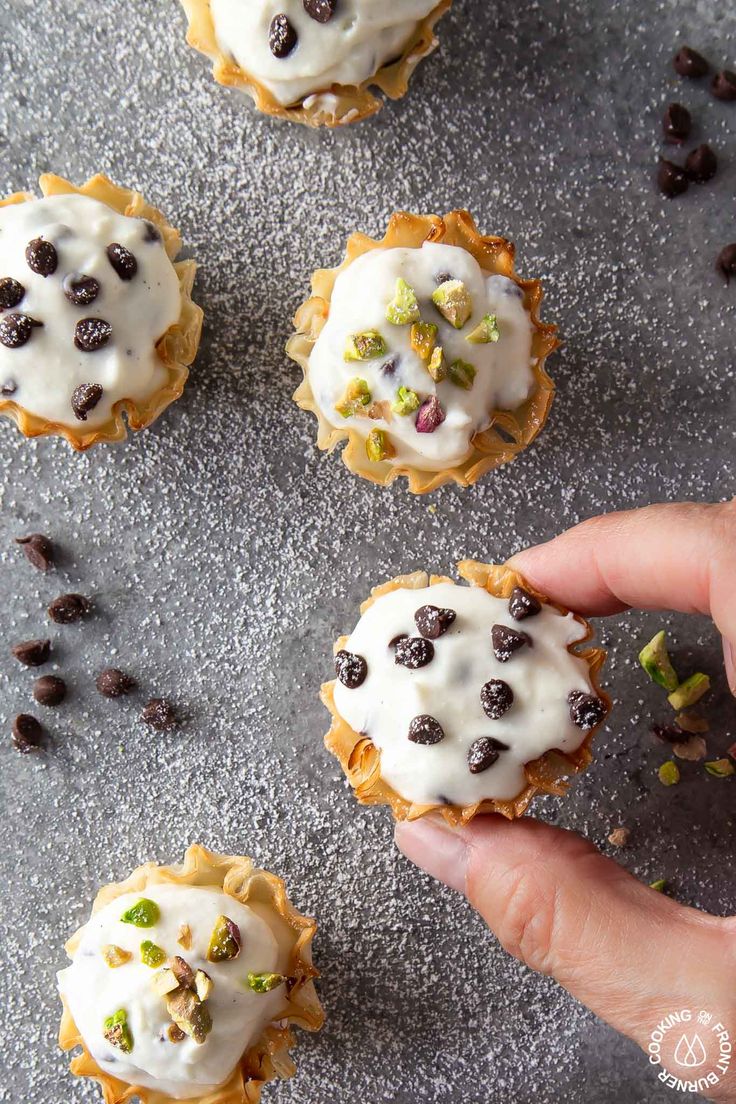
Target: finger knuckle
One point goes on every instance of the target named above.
(527, 918)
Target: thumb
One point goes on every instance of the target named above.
(629, 953)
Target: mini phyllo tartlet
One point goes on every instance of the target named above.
(315, 61)
(425, 352)
(97, 324)
(185, 982)
(463, 699)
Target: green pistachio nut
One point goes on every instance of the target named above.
(689, 691)
(365, 346)
(720, 768)
(117, 1031)
(461, 374)
(357, 394)
(264, 983)
(225, 941)
(487, 330)
(452, 300)
(143, 914)
(151, 954)
(423, 336)
(655, 660)
(660, 885)
(377, 446)
(669, 773)
(403, 308)
(436, 365)
(406, 401)
(189, 1013)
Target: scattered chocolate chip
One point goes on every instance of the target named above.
(41, 257)
(586, 711)
(11, 293)
(282, 38)
(726, 262)
(79, 289)
(396, 639)
(49, 690)
(91, 334)
(425, 730)
(389, 366)
(689, 63)
(38, 550)
(32, 653)
(9, 387)
(496, 697)
(27, 733)
(151, 232)
(321, 10)
(523, 604)
(433, 622)
(483, 753)
(724, 85)
(351, 669)
(671, 734)
(16, 329)
(122, 260)
(430, 415)
(413, 652)
(113, 683)
(68, 608)
(159, 714)
(85, 398)
(671, 179)
(506, 641)
(676, 123)
(701, 164)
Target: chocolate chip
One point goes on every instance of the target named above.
(41, 257)
(689, 63)
(79, 289)
(523, 604)
(726, 261)
(389, 366)
(9, 387)
(68, 608)
(38, 550)
(113, 683)
(442, 277)
(351, 669)
(425, 730)
(159, 714)
(724, 85)
(701, 164)
(49, 690)
(586, 711)
(27, 733)
(11, 293)
(483, 753)
(32, 653)
(16, 329)
(413, 652)
(506, 641)
(676, 123)
(85, 398)
(433, 622)
(151, 233)
(282, 38)
(91, 334)
(321, 10)
(671, 179)
(496, 697)
(399, 636)
(122, 260)
(429, 416)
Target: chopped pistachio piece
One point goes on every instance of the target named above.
(189, 1013)
(151, 954)
(184, 937)
(115, 956)
(117, 1031)
(264, 983)
(377, 446)
(357, 394)
(619, 837)
(659, 885)
(689, 722)
(720, 768)
(436, 365)
(461, 374)
(182, 971)
(176, 1035)
(365, 346)
(452, 300)
(203, 985)
(423, 336)
(689, 691)
(143, 914)
(225, 941)
(655, 660)
(165, 981)
(406, 401)
(692, 749)
(403, 308)
(669, 773)
(486, 331)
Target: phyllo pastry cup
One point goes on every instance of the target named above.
(308, 93)
(433, 732)
(97, 323)
(159, 905)
(425, 353)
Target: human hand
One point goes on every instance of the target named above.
(630, 954)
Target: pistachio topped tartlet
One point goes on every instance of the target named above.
(314, 61)
(463, 699)
(185, 981)
(96, 321)
(426, 352)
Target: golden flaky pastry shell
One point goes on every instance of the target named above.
(349, 103)
(361, 759)
(176, 349)
(267, 1059)
(490, 448)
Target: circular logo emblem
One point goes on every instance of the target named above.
(692, 1049)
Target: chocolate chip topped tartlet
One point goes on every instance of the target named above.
(463, 699)
(185, 981)
(314, 61)
(425, 351)
(96, 320)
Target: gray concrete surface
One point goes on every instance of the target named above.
(224, 553)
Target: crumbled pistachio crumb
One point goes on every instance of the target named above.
(485, 332)
(688, 722)
(452, 300)
(143, 914)
(655, 660)
(225, 941)
(669, 773)
(365, 346)
(660, 885)
(115, 956)
(264, 983)
(184, 937)
(461, 374)
(378, 447)
(692, 749)
(406, 401)
(423, 336)
(436, 365)
(151, 954)
(720, 768)
(165, 981)
(203, 985)
(357, 394)
(403, 308)
(689, 691)
(619, 837)
(117, 1031)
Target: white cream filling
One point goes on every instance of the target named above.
(361, 36)
(49, 367)
(93, 991)
(448, 689)
(504, 377)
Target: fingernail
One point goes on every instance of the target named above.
(435, 848)
(729, 657)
